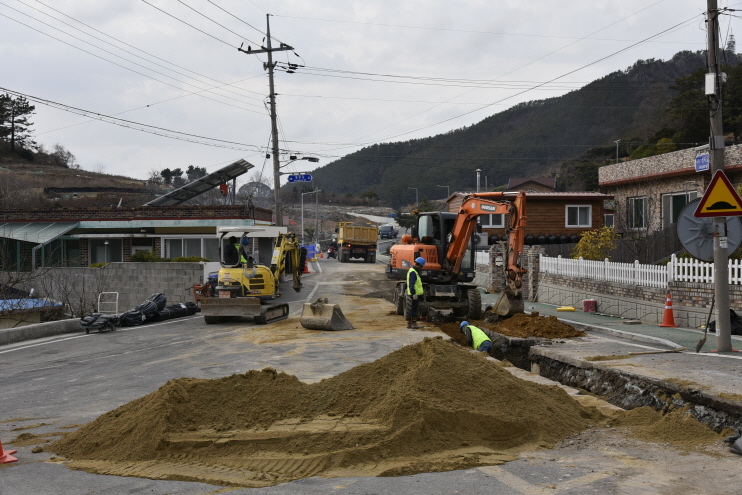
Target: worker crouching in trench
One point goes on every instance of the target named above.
(475, 337)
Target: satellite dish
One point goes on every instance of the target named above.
(696, 233)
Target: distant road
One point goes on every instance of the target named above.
(375, 218)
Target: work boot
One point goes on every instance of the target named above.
(414, 325)
(409, 323)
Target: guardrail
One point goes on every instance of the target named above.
(383, 246)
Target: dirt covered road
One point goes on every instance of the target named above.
(385, 401)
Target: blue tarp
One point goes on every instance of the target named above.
(29, 303)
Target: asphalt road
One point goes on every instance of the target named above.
(57, 384)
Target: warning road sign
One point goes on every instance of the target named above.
(720, 199)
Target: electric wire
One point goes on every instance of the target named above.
(123, 66)
(138, 125)
(218, 24)
(129, 45)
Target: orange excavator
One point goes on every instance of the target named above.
(444, 239)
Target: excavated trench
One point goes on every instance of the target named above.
(531, 343)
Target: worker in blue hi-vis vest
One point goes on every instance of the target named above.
(414, 291)
(476, 337)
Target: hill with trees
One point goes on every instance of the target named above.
(566, 137)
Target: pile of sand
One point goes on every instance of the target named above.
(520, 325)
(547, 327)
(427, 407)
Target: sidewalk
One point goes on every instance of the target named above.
(602, 363)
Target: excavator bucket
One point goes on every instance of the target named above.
(509, 303)
(321, 315)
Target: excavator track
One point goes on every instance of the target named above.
(275, 312)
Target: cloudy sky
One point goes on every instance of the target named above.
(169, 74)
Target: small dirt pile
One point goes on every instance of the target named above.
(426, 407)
(547, 327)
(520, 325)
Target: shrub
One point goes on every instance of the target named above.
(97, 265)
(147, 257)
(189, 259)
(595, 244)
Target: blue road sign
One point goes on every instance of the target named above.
(300, 178)
(702, 162)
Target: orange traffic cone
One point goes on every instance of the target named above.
(669, 319)
(306, 268)
(5, 456)
(321, 254)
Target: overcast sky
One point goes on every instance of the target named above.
(377, 71)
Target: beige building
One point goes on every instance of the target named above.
(651, 192)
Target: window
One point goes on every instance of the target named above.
(608, 220)
(204, 247)
(673, 204)
(579, 216)
(637, 213)
(492, 221)
(106, 251)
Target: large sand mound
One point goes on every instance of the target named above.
(427, 407)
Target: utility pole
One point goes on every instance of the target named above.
(716, 157)
(274, 127)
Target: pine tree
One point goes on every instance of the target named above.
(15, 124)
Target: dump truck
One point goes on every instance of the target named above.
(249, 287)
(356, 242)
(444, 240)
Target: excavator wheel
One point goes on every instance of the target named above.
(474, 311)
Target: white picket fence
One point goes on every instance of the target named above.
(679, 270)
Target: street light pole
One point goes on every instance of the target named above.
(617, 141)
(416, 201)
(448, 193)
(479, 171)
(302, 211)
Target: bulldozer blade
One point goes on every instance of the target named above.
(508, 304)
(235, 306)
(321, 315)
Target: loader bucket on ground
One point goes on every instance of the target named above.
(323, 316)
(509, 304)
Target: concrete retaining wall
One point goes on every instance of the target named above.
(134, 282)
(39, 330)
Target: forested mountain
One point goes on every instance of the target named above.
(567, 137)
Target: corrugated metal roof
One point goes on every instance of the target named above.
(36, 232)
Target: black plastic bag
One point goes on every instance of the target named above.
(734, 319)
(159, 299)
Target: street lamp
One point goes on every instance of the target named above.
(416, 201)
(689, 183)
(479, 171)
(277, 182)
(105, 251)
(447, 190)
(302, 211)
(617, 141)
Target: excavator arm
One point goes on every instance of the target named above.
(474, 205)
(288, 252)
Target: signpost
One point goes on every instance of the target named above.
(300, 178)
(702, 162)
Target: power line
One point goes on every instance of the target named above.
(123, 66)
(159, 131)
(189, 25)
(125, 43)
(218, 24)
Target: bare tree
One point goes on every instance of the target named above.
(15, 192)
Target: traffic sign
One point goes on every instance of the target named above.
(702, 162)
(720, 199)
(300, 178)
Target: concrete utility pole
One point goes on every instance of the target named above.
(274, 127)
(716, 158)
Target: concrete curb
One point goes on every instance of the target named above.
(647, 339)
(39, 330)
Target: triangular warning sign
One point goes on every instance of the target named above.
(720, 199)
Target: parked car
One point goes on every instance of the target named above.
(387, 232)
